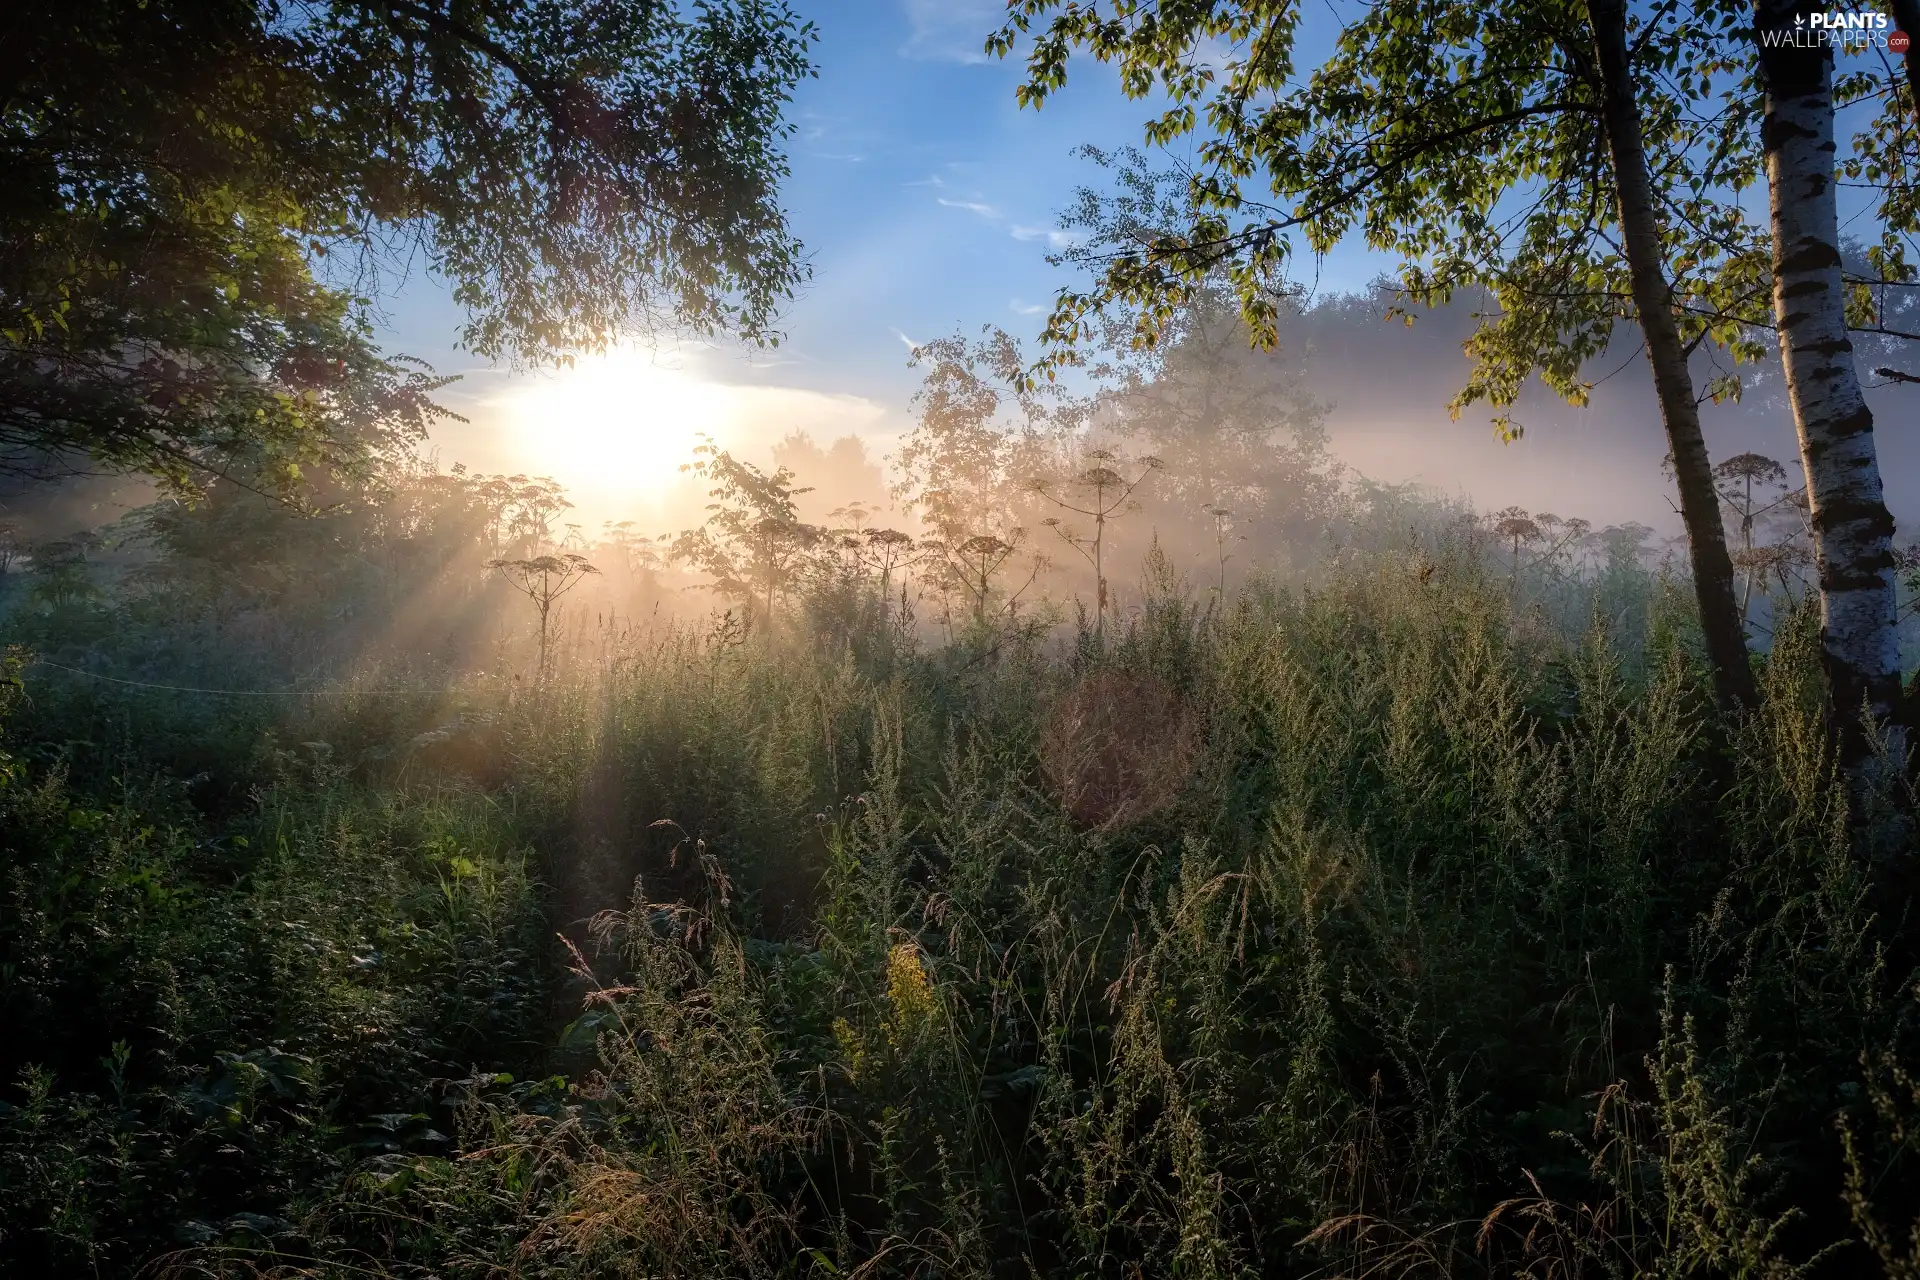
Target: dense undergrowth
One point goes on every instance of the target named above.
(1399, 925)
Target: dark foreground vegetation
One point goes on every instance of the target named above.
(1406, 920)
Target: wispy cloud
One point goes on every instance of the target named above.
(950, 30)
(911, 344)
(972, 206)
(826, 137)
(1025, 308)
(1054, 236)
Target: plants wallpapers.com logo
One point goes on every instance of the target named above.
(1845, 32)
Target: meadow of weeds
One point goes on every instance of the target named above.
(1400, 923)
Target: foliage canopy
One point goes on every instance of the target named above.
(198, 203)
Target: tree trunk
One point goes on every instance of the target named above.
(1720, 622)
(1099, 570)
(1852, 529)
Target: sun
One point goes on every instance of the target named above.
(614, 425)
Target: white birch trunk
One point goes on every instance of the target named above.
(1852, 529)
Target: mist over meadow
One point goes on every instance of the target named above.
(1376, 389)
(738, 641)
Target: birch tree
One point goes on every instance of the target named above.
(1581, 162)
(1852, 528)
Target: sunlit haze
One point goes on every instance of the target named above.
(620, 424)
(685, 638)
(928, 203)
(617, 430)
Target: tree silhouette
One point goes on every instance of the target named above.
(517, 512)
(178, 170)
(754, 544)
(978, 433)
(639, 554)
(543, 580)
(1105, 492)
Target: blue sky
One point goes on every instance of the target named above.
(927, 200)
(924, 196)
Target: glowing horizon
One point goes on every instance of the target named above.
(615, 426)
(616, 430)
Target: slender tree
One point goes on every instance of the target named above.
(1852, 528)
(1525, 150)
(543, 580)
(754, 544)
(1643, 244)
(978, 435)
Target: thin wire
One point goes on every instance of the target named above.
(233, 693)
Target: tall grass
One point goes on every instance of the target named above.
(1457, 947)
(1400, 924)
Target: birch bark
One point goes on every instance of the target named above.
(1852, 528)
